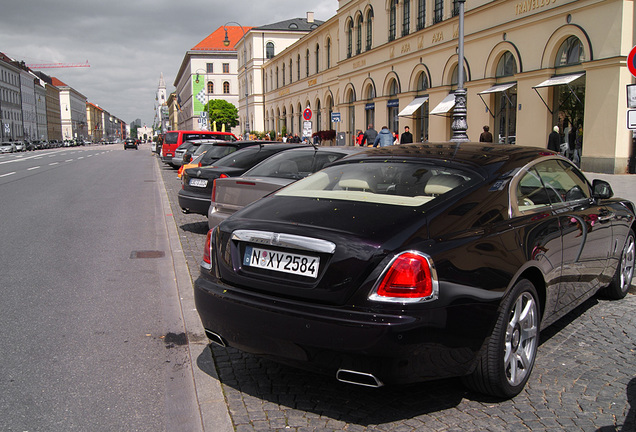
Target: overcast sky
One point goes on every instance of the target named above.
(128, 44)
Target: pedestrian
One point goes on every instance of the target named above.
(359, 137)
(486, 136)
(554, 140)
(384, 138)
(369, 136)
(578, 146)
(407, 136)
(396, 138)
(295, 139)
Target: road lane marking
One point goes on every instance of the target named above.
(7, 174)
(54, 163)
(32, 168)
(68, 160)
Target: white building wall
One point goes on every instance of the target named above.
(29, 117)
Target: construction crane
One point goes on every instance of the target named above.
(58, 65)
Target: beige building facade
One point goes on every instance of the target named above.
(529, 65)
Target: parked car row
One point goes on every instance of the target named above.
(30, 145)
(403, 263)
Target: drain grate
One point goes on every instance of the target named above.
(147, 254)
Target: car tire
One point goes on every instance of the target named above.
(622, 280)
(507, 357)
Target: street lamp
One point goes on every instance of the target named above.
(226, 42)
(460, 124)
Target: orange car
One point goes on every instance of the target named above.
(196, 162)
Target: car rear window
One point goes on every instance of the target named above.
(409, 184)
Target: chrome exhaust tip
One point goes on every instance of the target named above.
(216, 338)
(358, 378)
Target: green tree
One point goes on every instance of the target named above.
(223, 113)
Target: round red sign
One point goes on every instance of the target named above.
(307, 114)
(631, 61)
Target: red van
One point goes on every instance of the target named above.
(174, 139)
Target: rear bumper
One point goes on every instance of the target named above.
(394, 347)
(192, 203)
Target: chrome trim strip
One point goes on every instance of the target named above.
(285, 240)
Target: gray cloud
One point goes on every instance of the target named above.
(128, 43)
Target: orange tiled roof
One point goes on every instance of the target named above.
(214, 41)
(57, 83)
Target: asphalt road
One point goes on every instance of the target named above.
(584, 378)
(93, 337)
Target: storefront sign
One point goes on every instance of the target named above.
(369, 106)
(393, 103)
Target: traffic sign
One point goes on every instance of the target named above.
(307, 114)
(335, 117)
(631, 61)
(307, 130)
(631, 119)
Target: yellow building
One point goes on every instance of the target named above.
(529, 65)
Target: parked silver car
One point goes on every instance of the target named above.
(7, 147)
(233, 193)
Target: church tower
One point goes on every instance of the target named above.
(161, 106)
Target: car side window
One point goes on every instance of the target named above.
(530, 193)
(562, 183)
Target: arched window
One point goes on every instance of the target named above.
(421, 14)
(393, 120)
(226, 87)
(307, 63)
(455, 78)
(317, 58)
(318, 116)
(392, 19)
(369, 29)
(507, 65)
(328, 53)
(298, 67)
(370, 108)
(349, 38)
(283, 74)
(277, 77)
(210, 87)
(406, 17)
(269, 50)
(422, 82)
(290, 71)
(570, 52)
(359, 34)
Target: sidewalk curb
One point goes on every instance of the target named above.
(209, 393)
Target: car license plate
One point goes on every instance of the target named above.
(197, 182)
(285, 262)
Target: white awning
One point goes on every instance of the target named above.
(560, 80)
(445, 105)
(413, 106)
(498, 88)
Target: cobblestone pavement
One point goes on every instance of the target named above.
(584, 378)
